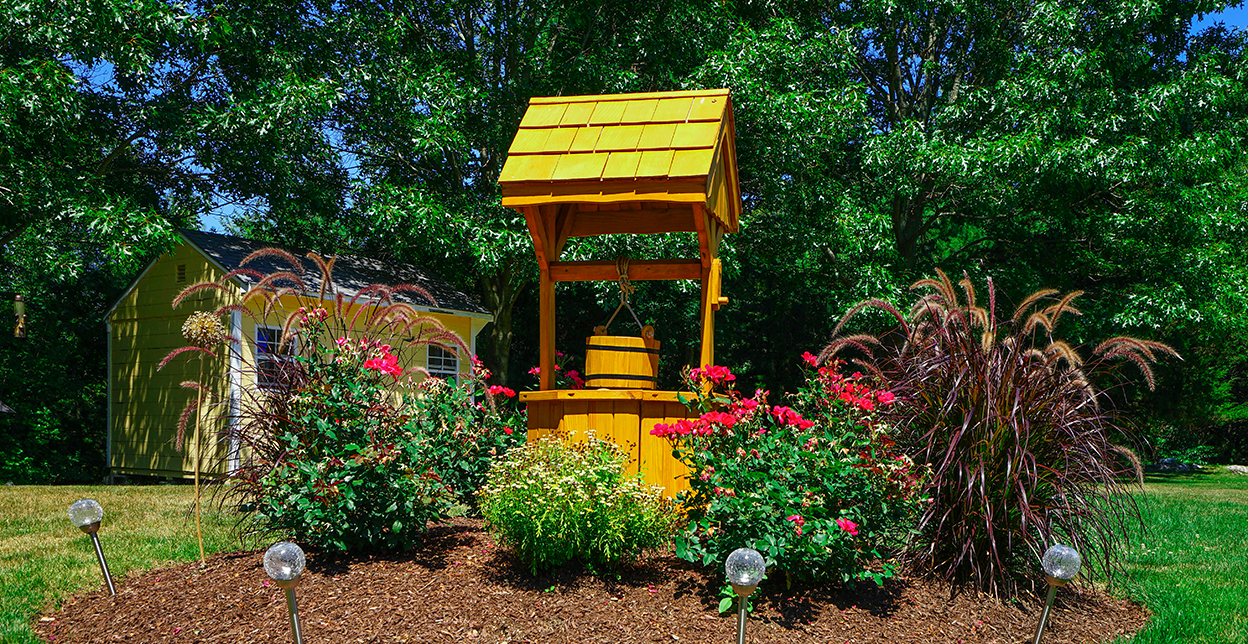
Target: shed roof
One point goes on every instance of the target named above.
(351, 273)
(672, 147)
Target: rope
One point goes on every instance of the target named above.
(626, 289)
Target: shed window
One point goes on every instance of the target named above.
(271, 355)
(443, 363)
(181, 273)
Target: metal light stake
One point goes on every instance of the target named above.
(87, 515)
(745, 568)
(1061, 564)
(284, 562)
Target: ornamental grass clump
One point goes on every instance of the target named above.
(1019, 441)
(553, 504)
(817, 487)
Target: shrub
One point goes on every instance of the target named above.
(364, 466)
(1016, 436)
(565, 376)
(465, 436)
(554, 503)
(345, 447)
(352, 472)
(817, 490)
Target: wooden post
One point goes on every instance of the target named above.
(708, 321)
(546, 330)
(709, 233)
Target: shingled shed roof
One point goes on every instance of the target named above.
(351, 273)
(626, 152)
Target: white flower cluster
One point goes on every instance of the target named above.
(541, 475)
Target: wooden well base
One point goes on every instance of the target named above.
(624, 416)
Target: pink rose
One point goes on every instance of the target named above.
(499, 389)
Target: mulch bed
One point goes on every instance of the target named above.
(459, 586)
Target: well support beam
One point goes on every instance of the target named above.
(638, 270)
(546, 329)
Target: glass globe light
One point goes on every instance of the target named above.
(1061, 562)
(85, 512)
(284, 561)
(745, 567)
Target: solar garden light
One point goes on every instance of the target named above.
(745, 568)
(284, 562)
(1061, 564)
(87, 514)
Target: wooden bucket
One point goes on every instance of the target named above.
(621, 361)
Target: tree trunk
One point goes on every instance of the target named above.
(910, 224)
(501, 291)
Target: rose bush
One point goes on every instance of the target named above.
(464, 434)
(565, 377)
(816, 486)
(349, 470)
(364, 453)
(344, 441)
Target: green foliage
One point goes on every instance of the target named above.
(1092, 149)
(352, 473)
(343, 446)
(1016, 435)
(463, 436)
(821, 496)
(554, 504)
(364, 466)
(55, 378)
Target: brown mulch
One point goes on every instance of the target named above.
(459, 586)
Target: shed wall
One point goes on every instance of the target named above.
(146, 402)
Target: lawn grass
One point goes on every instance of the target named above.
(45, 559)
(1191, 567)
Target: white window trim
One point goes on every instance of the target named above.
(442, 372)
(292, 349)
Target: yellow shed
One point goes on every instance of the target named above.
(145, 403)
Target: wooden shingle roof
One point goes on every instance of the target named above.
(625, 152)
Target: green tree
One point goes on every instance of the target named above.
(1058, 144)
(428, 98)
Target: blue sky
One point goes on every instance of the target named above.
(1231, 17)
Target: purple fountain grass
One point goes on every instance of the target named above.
(1021, 451)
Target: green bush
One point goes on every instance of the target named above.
(351, 472)
(818, 490)
(554, 503)
(464, 436)
(345, 446)
(358, 465)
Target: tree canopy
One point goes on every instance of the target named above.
(1083, 146)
